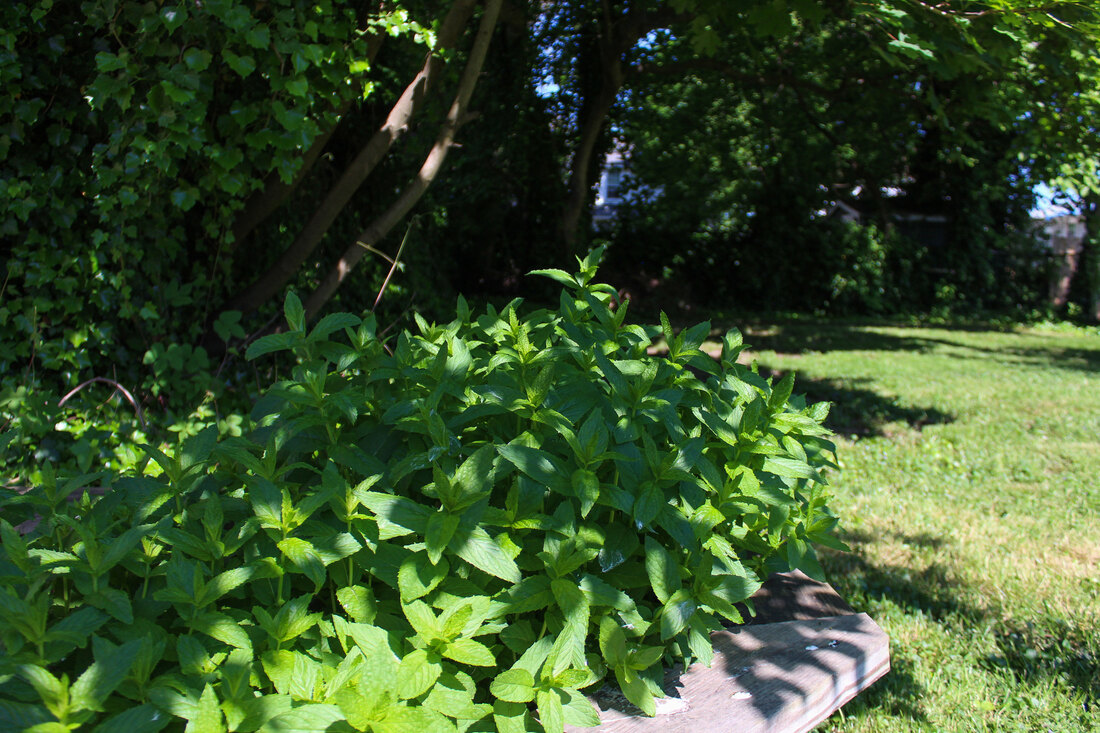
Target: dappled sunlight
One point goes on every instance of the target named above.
(974, 537)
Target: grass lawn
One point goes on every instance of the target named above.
(971, 499)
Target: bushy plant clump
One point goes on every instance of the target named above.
(463, 534)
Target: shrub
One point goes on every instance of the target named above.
(460, 534)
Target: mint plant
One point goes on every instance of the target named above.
(464, 529)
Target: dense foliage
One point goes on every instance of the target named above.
(806, 173)
(462, 534)
(171, 169)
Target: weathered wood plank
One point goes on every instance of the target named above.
(771, 678)
(794, 596)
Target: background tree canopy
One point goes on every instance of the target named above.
(172, 168)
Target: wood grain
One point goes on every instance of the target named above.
(781, 677)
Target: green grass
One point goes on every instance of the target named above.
(971, 499)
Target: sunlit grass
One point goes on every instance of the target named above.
(971, 493)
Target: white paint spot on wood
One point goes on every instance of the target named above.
(670, 705)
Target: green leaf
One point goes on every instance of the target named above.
(311, 718)
(223, 628)
(535, 464)
(422, 620)
(676, 613)
(225, 582)
(699, 641)
(550, 711)
(791, 468)
(476, 547)
(259, 710)
(586, 486)
(305, 558)
(530, 594)
(645, 657)
(468, 651)
(114, 602)
(197, 59)
(107, 62)
(454, 698)
(333, 322)
(416, 674)
(184, 199)
(663, 572)
(14, 545)
(570, 645)
(294, 312)
(577, 710)
(511, 717)
(258, 36)
(600, 593)
(458, 617)
(414, 720)
(418, 576)
(397, 510)
(208, 714)
(20, 716)
(243, 65)
(571, 601)
(291, 621)
(910, 49)
(475, 475)
(513, 685)
(109, 670)
(737, 588)
(271, 343)
(51, 727)
(142, 719)
(612, 642)
(636, 690)
(648, 504)
(440, 531)
(359, 603)
(781, 393)
(293, 673)
(560, 276)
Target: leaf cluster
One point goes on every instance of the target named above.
(461, 529)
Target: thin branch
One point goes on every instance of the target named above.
(368, 158)
(378, 252)
(125, 393)
(381, 226)
(396, 259)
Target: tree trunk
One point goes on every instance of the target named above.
(381, 226)
(581, 175)
(1090, 255)
(615, 36)
(411, 100)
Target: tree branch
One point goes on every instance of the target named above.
(396, 124)
(615, 39)
(381, 226)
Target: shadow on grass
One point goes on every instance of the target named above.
(827, 336)
(1032, 653)
(1052, 357)
(859, 410)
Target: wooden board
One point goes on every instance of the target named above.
(794, 596)
(783, 677)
